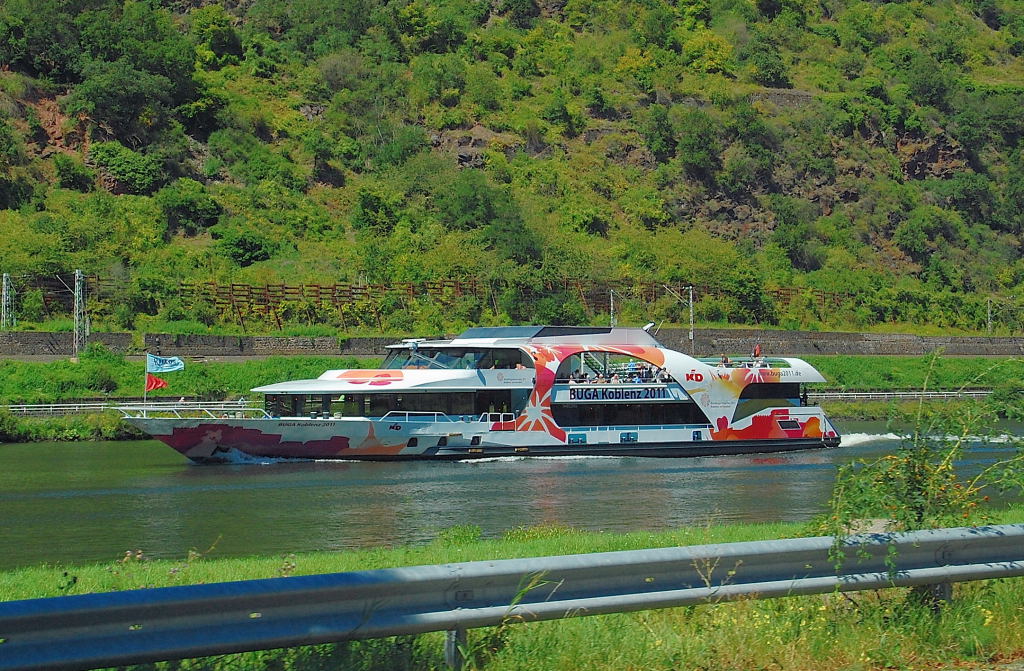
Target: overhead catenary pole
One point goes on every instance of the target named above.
(81, 320)
(611, 309)
(691, 319)
(7, 318)
(680, 299)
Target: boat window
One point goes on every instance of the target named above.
(380, 404)
(758, 396)
(396, 358)
(495, 400)
(505, 359)
(288, 405)
(457, 358)
(605, 367)
(627, 414)
(346, 405)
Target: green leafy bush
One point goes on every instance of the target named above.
(72, 174)
(135, 172)
(217, 43)
(246, 247)
(188, 206)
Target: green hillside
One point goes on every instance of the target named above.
(868, 149)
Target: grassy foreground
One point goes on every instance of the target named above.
(869, 630)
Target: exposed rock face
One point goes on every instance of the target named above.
(937, 157)
(736, 215)
(312, 111)
(551, 9)
(57, 134)
(470, 145)
(783, 97)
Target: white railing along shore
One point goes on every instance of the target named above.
(55, 409)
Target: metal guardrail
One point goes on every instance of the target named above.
(101, 630)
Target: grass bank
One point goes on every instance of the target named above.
(899, 411)
(873, 630)
(885, 373)
(100, 373)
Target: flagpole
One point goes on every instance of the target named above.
(145, 378)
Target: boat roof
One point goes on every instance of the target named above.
(597, 337)
(511, 336)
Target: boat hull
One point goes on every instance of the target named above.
(229, 440)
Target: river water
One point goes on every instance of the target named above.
(90, 502)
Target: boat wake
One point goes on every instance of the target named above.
(851, 439)
(237, 458)
(567, 457)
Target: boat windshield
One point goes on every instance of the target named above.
(456, 358)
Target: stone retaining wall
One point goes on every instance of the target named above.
(713, 342)
(708, 342)
(45, 343)
(208, 345)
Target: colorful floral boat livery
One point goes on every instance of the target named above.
(514, 391)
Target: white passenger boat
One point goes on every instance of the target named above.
(515, 391)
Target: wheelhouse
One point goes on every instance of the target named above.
(456, 358)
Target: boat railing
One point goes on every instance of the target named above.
(486, 417)
(745, 362)
(413, 416)
(621, 382)
(634, 427)
(191, 410)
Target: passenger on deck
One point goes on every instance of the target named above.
(724, 362)
(615, 378)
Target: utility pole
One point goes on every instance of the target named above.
(81, 319)
(691, 318)
(7, 319)
(611, 309)
(680, 299)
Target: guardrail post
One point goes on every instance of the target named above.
(934, 595)
(455, 648)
